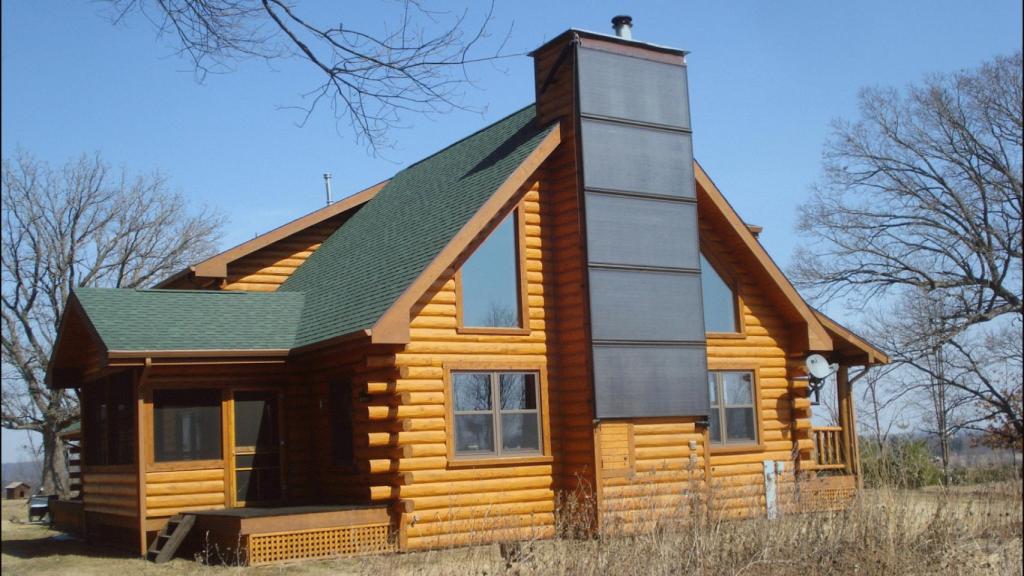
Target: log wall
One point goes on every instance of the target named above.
(572, 411)
(655, 477)
(111, 490)
(266, 269)
(451, 504)
(314, 474)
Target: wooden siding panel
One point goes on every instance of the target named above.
(266, 269)
(664, 480)
(453, 505)
(111, 492)
(171, 492)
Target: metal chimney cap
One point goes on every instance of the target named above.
(623, 25)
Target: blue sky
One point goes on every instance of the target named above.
(765, 81)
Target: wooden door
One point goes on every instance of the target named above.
(256, 448)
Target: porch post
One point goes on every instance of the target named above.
(141, 442)
(843, 397)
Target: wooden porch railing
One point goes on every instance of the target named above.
(828, 448)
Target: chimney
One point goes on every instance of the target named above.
(623, 26)
(327, 187)
(627, 167)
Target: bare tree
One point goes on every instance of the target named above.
(921, 201)
(416, 64)
(963, 381)
(80, 225)
(924, 193)
(879, 406)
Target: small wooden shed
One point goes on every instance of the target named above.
(17, 491)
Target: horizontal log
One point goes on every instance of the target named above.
(422, 398)
(421, 450)
(665, 440)
(417, 424)
(471, 538)
(382, 465)
(104, 478)
(475, 348)
(171, 488)
(431, 476)
(444, 515)
(165, 512)
(395, 439)
(184, 500)
(131, 512)
(404, 385)
(129, 490)
(185, 476)
(482, 525)
(110, 500)
(477, 499)
(419, 490)
(397, 412)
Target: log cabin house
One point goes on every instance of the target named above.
(561, 305)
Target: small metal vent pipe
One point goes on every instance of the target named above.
(623, 26)
(327, 187)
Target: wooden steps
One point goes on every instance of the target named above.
(170, 538)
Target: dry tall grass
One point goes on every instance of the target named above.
(964, 530)
(975, 530)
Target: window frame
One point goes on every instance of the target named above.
(153, 421)
(737, 299)
(724, 446)
(150, 430)
(519, 232)
(498, 457)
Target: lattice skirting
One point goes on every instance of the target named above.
(826, 493)
(319, 543)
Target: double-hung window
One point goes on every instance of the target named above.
(496, 414)
(733, 418)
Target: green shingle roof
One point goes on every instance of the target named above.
(192, 319)
(351, 280)
(357, 273)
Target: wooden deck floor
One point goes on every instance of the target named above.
(267, 534)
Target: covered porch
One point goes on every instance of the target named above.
(833, 469)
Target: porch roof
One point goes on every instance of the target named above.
(160, 320)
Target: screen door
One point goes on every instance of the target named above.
(257, 447)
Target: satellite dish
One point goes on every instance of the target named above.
(819, 368)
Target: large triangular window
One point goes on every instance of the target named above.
(489, 288)
(720, 304)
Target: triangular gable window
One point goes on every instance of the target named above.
(720, 306)
(489, 283)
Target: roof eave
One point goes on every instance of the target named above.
(216, 267)
(873, 355)
(817, 337)
(200, 353)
